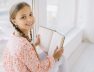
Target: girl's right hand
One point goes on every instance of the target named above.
(37, 40)
(58, 53)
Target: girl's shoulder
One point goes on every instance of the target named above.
(16, 42)
(15, 39)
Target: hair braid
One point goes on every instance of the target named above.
(22, 34)
(31, 35)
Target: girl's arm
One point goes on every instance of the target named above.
(29, 57)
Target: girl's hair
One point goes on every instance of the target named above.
(13, 12)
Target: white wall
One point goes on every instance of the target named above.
(85, 18)
(89, 30)
(82, 12)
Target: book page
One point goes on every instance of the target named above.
(45, 37)
(57, 40)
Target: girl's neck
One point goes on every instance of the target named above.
(27, 33)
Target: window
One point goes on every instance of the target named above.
(60, 14)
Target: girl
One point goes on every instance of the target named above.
(20, 54)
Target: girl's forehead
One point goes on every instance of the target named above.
(25, 9)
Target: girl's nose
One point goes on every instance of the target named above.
(29, 19)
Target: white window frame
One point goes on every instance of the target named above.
(39, 12)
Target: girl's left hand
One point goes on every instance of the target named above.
(37, 40)
(58, 53)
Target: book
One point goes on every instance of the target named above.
(50, 39)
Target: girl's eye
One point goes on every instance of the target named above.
(31, 15)
(24, 17)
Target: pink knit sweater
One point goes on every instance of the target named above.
(20, 56)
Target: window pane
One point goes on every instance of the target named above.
(61, 15)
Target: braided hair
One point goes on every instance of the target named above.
(13, 13)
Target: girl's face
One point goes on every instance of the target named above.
(24, 19)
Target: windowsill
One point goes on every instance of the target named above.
(72, 41)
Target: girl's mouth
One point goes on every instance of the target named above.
(28, 24)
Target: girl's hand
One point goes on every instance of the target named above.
(58, 53)
(37, 40)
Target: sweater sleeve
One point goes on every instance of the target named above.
(29, 57)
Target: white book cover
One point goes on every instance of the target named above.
(57, 40)
(49, 40)
(45, 37)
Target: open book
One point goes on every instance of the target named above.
(50, 39)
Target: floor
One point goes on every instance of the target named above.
(86, 61)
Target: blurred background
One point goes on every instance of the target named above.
(72, 18)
